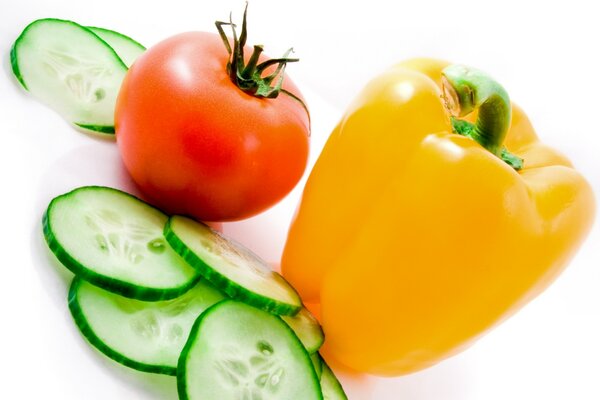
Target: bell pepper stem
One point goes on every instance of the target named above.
(467, 89)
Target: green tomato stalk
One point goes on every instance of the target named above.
(249, 76)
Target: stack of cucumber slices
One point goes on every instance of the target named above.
(75, 70)
(170, 295)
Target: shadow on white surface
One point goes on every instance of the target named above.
(56, 281)
(94, 164)
(154, 386)
(84, 165)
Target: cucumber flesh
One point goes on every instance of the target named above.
(331, 387)
(307, 328)
(236, 351)
(72, 70)
(231, 267)
(115, 241)
(147, 336)
(127, 48)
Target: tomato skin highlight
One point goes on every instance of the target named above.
(196, 144)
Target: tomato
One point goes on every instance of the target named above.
(197, 144)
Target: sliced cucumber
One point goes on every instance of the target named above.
(231, 267)
(127, 48)
(331, 387)
(114, 240)
(317, 364)
(144, 335)
(236, 351)
(307, 328)
(72, 70)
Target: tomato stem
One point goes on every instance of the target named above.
(251, 67)
(466, 89)
(249, 76)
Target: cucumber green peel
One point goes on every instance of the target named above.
(231, 267)
(307, 328)
(330, 386)
(236, 351)
(317, 364)
(147, 336)
(126, 48)
(114, 240)
(73, 69)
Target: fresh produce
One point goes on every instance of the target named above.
(144, 335)
(126, 48)
(236, 351)
(307, 328)
(72, 70)
(115, 241)
(231, 267)
(206, 131)
(426, 228)
(330, 386)
(317, 364)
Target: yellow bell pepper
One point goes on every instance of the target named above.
(419, 231)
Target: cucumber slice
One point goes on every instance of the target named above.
(331, 387)
(69, 68)
(231, 267)
(127, 48)
(236, 351)
(147, 336)
(317, 364)
(307, 328)
(114, 240)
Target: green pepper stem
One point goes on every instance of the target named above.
(467, 89)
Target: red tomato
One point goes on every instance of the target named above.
(196, 144)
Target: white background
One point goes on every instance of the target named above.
(546, 55)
